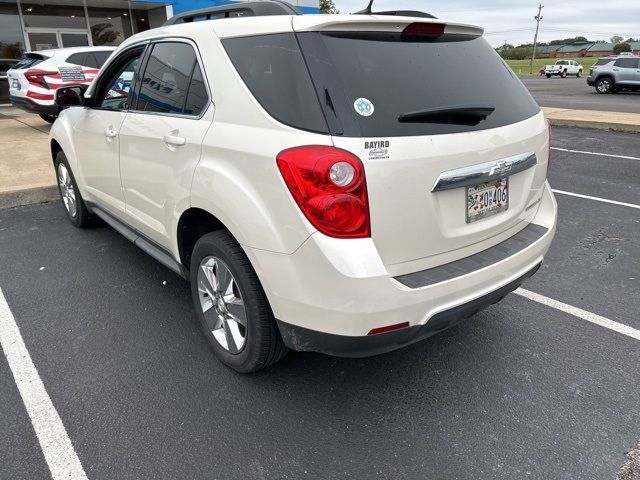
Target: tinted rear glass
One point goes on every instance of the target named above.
(273, 69)
(603, 61)
(29, 61)
(397, 75)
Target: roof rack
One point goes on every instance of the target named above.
(259, 8)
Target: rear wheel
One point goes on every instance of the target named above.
(604, 85)
(72, 201)
(548, 75)
(48, 118)
(231, 305)
(579, 74)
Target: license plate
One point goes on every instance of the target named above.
(487, 199)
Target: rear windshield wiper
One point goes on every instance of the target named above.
(458, 114)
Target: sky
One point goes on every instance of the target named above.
(514, 21)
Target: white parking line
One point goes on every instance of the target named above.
(568, 150)
(597, 199)
(52, 436)
(582, 314)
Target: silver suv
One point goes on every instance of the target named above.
(615, 73)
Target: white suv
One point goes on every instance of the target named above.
(326, 183)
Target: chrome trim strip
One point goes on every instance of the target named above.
(484, 172)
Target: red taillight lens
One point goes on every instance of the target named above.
(418, 28)
(332, 196)
(388, 328)
(36, 77)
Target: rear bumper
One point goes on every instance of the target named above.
(31, 106)
(330, 293)
(303, 339)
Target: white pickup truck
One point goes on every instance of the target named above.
(563, 68)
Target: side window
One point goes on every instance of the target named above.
(626, 63)
(164, 87)
(197, 98)
(90, 61)
(113, 90)
(77, 58)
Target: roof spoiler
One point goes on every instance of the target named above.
(260, 8)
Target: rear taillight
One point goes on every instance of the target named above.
(418, 28)
(36, 77)
(329, 186)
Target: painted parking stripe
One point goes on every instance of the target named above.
(597, 199)
(582, 314)
(568, 150)
(56, 445)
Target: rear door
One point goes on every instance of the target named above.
(625, 70)
(441, 177)
(161, 137)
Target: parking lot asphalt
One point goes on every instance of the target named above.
(520, 390)
(574, 93)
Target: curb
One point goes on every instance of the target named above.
(29, 196)
(616, 127)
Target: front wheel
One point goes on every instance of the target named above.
(72, 201)
(231, 305)
(604, 85)
(48, 118)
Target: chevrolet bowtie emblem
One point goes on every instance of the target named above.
(500, 168)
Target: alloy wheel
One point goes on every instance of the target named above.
(222, 304)
(67, 190)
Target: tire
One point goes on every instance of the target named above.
(244, 348)
(604, 85)
(579, 74)
(72, 202)
(563, 74)
(48, 118)
(548, 75)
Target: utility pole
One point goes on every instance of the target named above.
(538, 17)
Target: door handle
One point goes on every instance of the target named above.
(174, 140)
(110, 132)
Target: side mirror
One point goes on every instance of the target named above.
(71, 96)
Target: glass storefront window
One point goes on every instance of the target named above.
(53, 16)
(11, 38)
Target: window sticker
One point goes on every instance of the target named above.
(363, 106)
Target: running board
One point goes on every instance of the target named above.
(147, 246)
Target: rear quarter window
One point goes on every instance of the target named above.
(273, 69)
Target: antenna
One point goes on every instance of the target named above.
(366, 11)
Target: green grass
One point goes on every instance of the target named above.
(521, 67)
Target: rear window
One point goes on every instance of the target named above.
(562, 62)
(603, 61)
(29, 60)
(396, 75)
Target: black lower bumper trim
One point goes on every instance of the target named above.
(304, 339)
(30, 106)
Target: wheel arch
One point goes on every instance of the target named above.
(192, 225)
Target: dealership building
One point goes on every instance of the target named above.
(43, 24)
